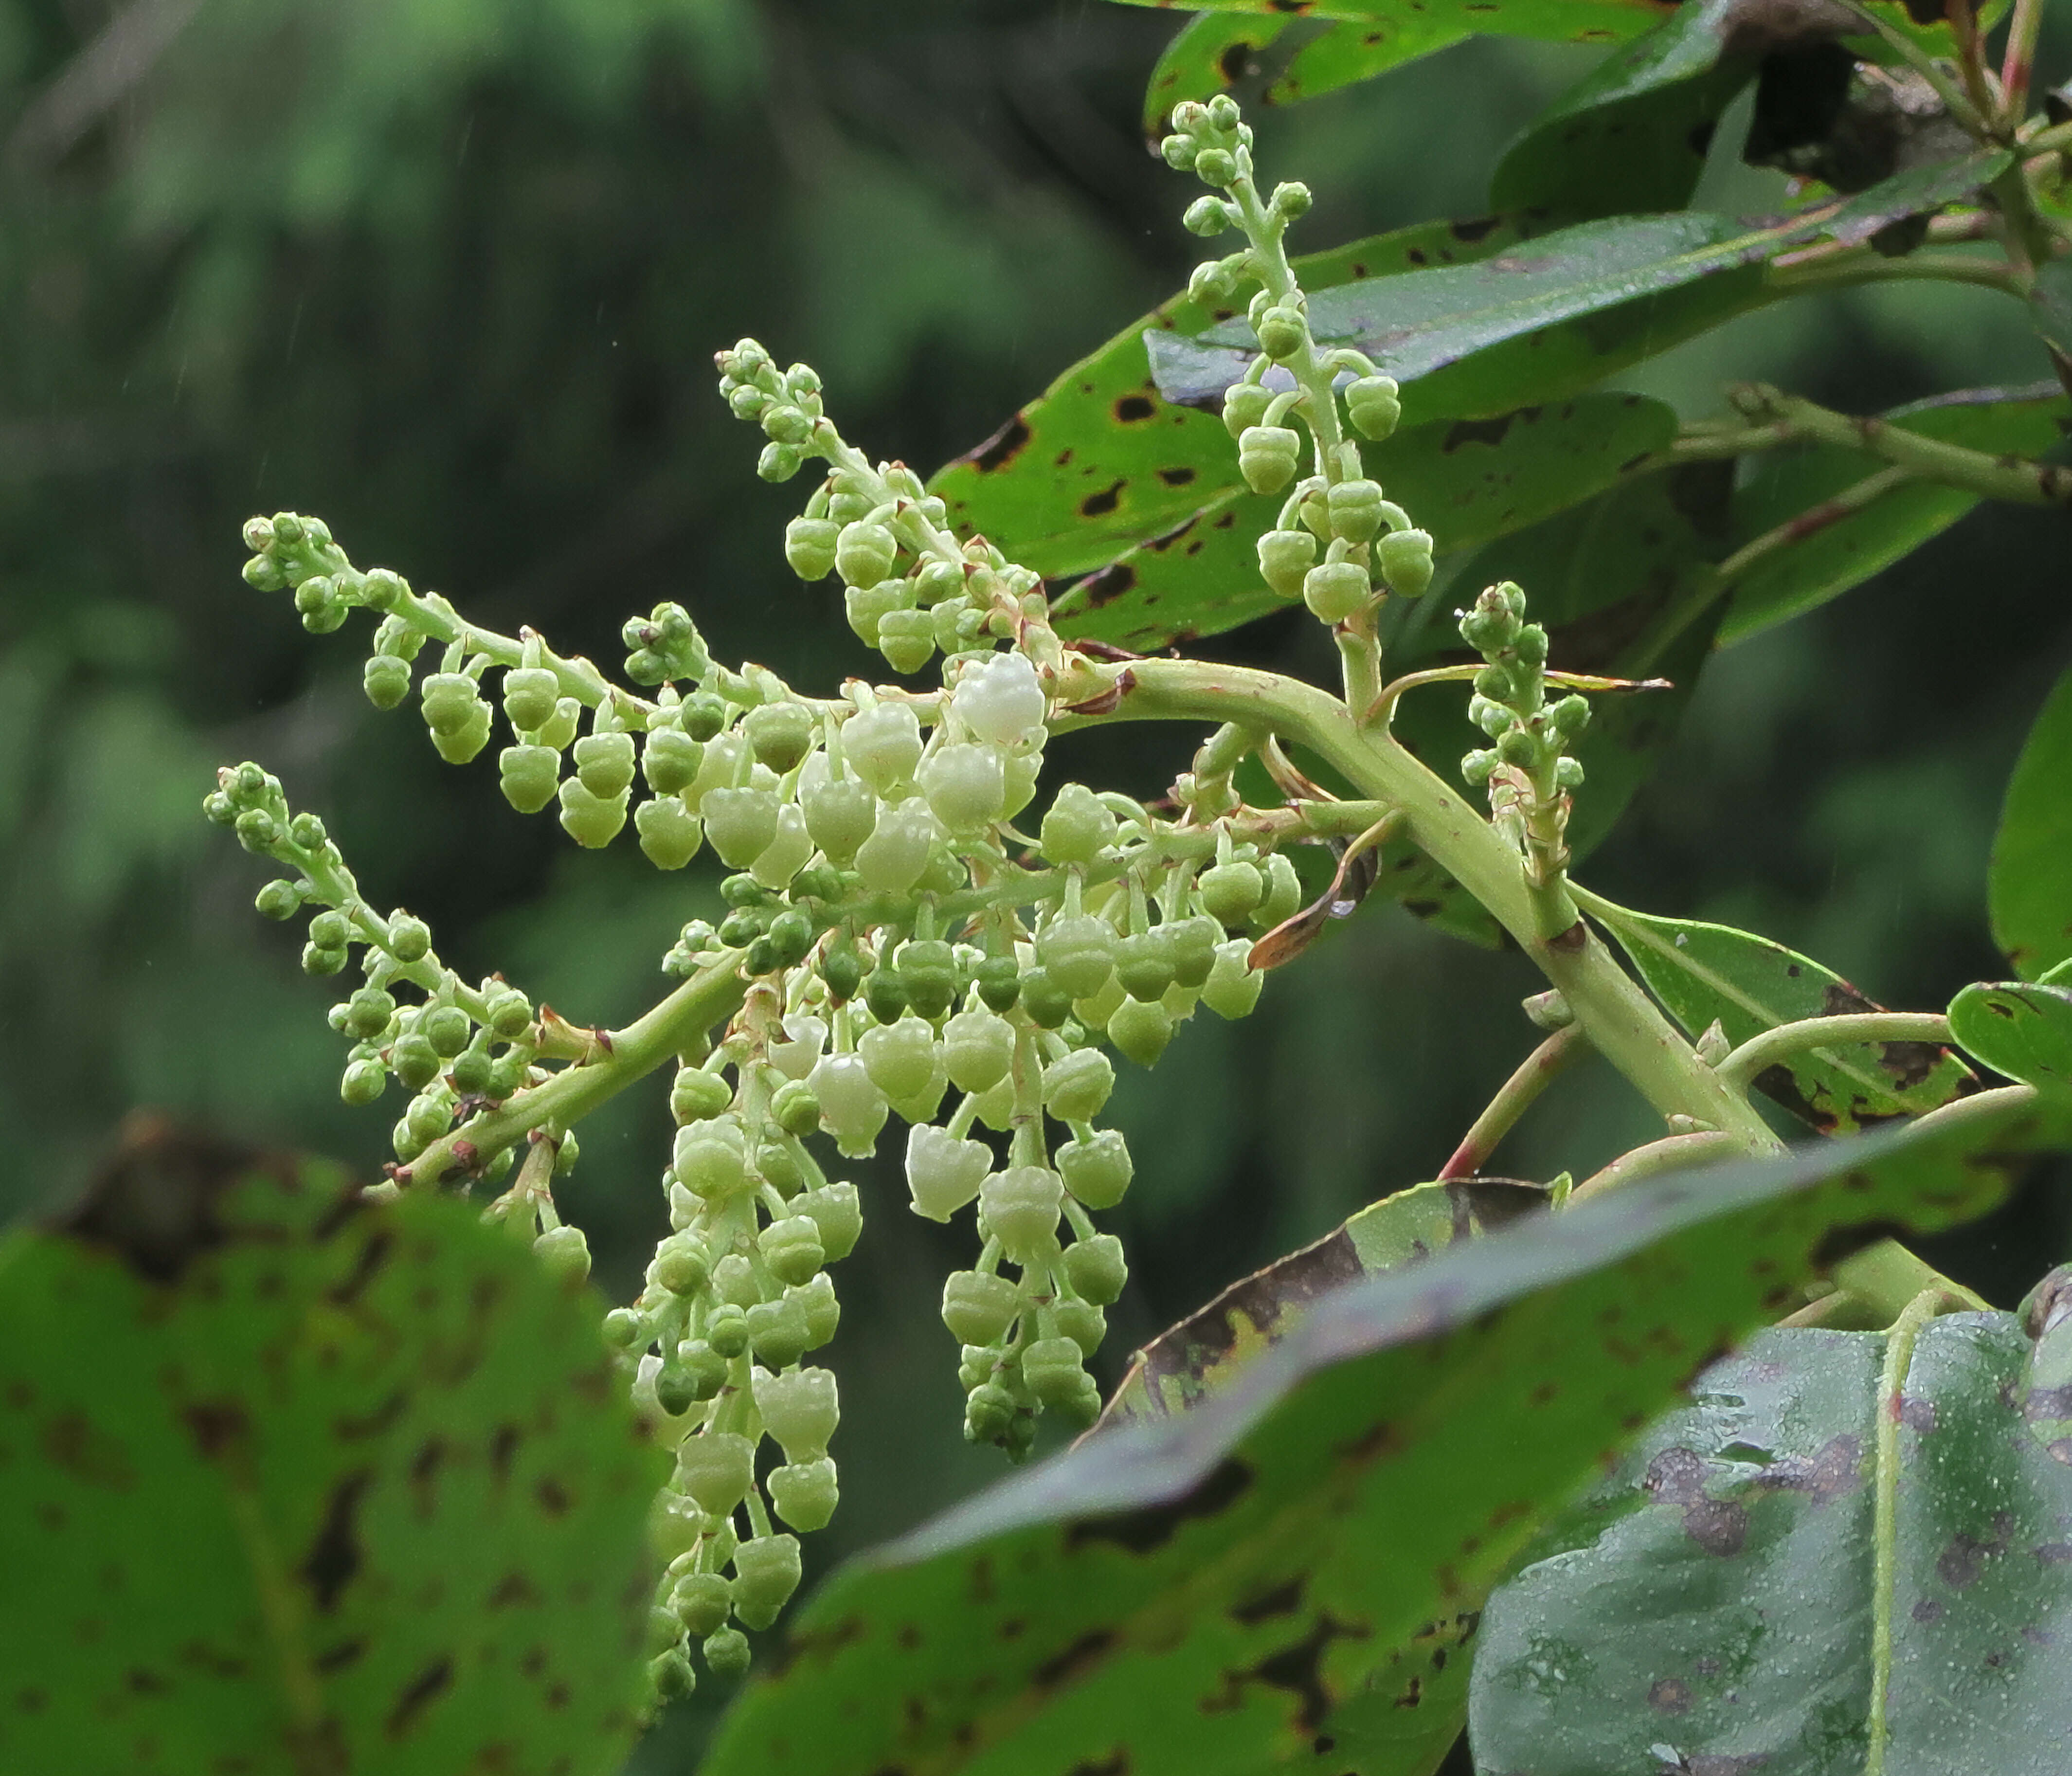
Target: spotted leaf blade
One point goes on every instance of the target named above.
(1711, 1608)
(1703, 973)
(291, 1482)
(2028, 886)
(1201, 1597)
(2022, 1029)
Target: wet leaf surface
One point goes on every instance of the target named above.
(1711, 1608)
(2019, 1028)
(1703, 973)
(291, 1482)
(1333, 1521)
(1834, 554)
(2028, 886)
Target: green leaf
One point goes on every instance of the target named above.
(291, 1481)
(1464, 480)
(1199, 1597)
(2028, 886)
(1214, 51)
(1703, 973)
(1587, 301)
(2021, 1029)
(1718, 1603)
(1096, 463)
(1834, 550)
(1632, 136)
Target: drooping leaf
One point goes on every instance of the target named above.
(2029, 885)
(1465, 481)
(1706, 973)
(1097, 462)
(2019, 1028)
(1718, 1605)
(1256, 1563)
(1208, 1350)
(2045, 1315)
(292, 1482)
(1585, 301)
(1836, 550)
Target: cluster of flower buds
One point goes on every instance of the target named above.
(1528, 771)
(1337, 545)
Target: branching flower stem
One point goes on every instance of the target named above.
(1740, 1068)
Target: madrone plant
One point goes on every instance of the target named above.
(908, 934)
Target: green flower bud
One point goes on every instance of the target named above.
(531, 697)
(670, 832)
(1569, 717)
(696, 1096)
(702, 717)
(906, 639)
(604, 763)
(1052, 1367)
(779, 1332)
(783, 858)
(449, 702)
(1194, 942)
(1179, 152)
(727, 1653)
(1046, 1000)
(809, 547)
(780, 734)
(978, 1309)
(726, 1330)
(778, 461)
(989, 1410)
(711, 1159)
(674, 1526)
(1568, 774)
(591, 821)
(816, 1301)
(669, 760)
(1231, 892)
(740, 823)
(1268, 456)
(1081, 1322)
(409, 937)
(1095, 1267)
(765, 1574)
(564, 1252)
(386, 680)
(369, 1011)
(791, 1248)
(448, 1028)
(928, 975)
(1373, 405)
(837, 1211)
(429, 1116)
(1354, 509)
(1522, 748)
(257, 831)
(1020, 1207)
(1078, 827)
(278, 900)
(701, 1601)
(841, 969)
(364, 1082)
(415, 1060)
(715, 1468)
(1244, 406)
(1284, 557)
(1283, 331)
(1096, 1170)
(865, 554)
(1215, 166)
(893, 858)
(1283, 893)
(471, 1069)
(899, 1057)
(799, 1409)
(794, 1108)
(1002, 700)
(1140, 1028)
(840, 814)
(978, 1048)
(998, 979)
(1076, 1087)
(624, 1328)
(1530, 645)
(529, 776)
(1404, 558)
(883, 745)
(681, 1266)
(1078, 953)
(703, 1368)
(1233, 986)
(943, 1173)
(852, 1108)
(559, 731)
(804, 1494)
(1336, 590)
(1144, 963)
(885, 995)
(965, 785)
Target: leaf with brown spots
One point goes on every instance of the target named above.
(1706, 973)
(1724, 1579)
(2021, 1029)
(2029, 885)
(1394, 1451)
(252, 1513)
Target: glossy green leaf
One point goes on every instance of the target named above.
(292, 1482)
(1834, 549)
(1585, 301)
(1717, 1605)
(2029, 885)
(1465, 481)
(1706, 973)
(1632, 136)
(1257, 1563)
(1097, 464)
(1607, 578)
(2021, 1029)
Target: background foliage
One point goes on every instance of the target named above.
(450, 272)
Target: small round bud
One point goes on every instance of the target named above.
(529, 776)
(1244, 406)
(278, 900)
(1268, 456)
(740, 823)
(978, 1048)
(564, 1252)
(592, 821)
(816, 1302)
(1078, 827)
(809, 547)
(681, 1266)
(604, 764)
(943, 1173)
(840, 813)
(369, 1011)
(1354, 509)
(978, 1309)
(780, 734)
(415, 1060)
(998, 979)
(1194, 943)
(1404, 558)
(727, 1653)
(1078, 953)
(1284, 557)
(1291, 200)
(1046, 1000)
(791, 1246)
(1373, 405)
(1231, 892)
(448, 1028)
(1140, 1030)
(532, 696)
(899, 1057)
(711, 1159)
(1144, 963)
(363, 1083)
(989, 1412)
(701, 1601)
(1233, 986)
(1081, 1322)
(1283, 893)
(1336, 590)
(778, 1331)
(804, 1494)
(865, 554)
(1283, 331)
(670, 833)
(726, 1330)
(1052, 1368)
(765, 1574)
(1215, 166)
(1020, 1207)
(409, 937)
(715, 1468)
(1179, 152)
(906, 639)
(928, 976)
(837, 1212)
(1095, 1267)
(386, 680)
(1096, 1170)
(1206, 215)
(800, 1409)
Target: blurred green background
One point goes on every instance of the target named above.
(449, 274)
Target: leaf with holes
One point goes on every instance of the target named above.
(293, 1482)
(1465, 481)
(1833, 547)
(1333, 1520)
(2021, 1029)
(1579, 304)
(1098, 463)
(1704, 974)
(2028, 886)
(1718, 1605)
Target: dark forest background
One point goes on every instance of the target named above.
(449, 274)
